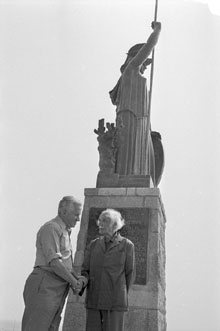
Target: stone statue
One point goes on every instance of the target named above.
(134, 155)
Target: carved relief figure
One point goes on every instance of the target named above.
(107, 146)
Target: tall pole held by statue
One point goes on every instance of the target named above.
(152, 66)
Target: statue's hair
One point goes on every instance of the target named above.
(65, 201)
(135, 49)
(132, 53)
(114, 217)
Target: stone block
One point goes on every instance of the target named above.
(91, 191)
(147, 191)
(131, 191)
(112, 191)
(144, 319)
(75, 317)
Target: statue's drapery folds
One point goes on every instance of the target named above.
(135, 150)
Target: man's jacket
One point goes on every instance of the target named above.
(110, 272)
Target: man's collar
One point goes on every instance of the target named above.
(61, 222)
(115, 238)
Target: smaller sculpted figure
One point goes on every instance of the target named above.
(135, 155)
(107, 146)
(47, 286)
(109, 266)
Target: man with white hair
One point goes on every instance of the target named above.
(47, 286)
(109, 266)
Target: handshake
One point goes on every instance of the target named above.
(79, 285)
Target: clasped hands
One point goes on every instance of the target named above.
(81, 283)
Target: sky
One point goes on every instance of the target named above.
(58, 61)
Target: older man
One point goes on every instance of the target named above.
(109, 266)
(47, 286)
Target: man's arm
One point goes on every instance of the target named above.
(50, 242)
(147, 48)
(85, 266)
(86, 262)
(130, 267)
(59, 269)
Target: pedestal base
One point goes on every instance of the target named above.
(115, 180)
(145, 225)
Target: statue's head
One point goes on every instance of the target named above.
(134, 50)
(132, 53)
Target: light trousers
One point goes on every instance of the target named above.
(44, 298)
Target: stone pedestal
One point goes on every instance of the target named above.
(145, 219)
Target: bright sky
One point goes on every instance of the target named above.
(58, 62)
(214, 5)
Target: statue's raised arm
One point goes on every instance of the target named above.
(141, 52)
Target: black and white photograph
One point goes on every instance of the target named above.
(110, 158)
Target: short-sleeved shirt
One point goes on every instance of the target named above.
(53, 242)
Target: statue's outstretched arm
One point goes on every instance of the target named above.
(147, 48)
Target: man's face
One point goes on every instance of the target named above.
(106, 227)
(71, 214)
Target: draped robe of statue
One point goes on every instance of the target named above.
(135, 154)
